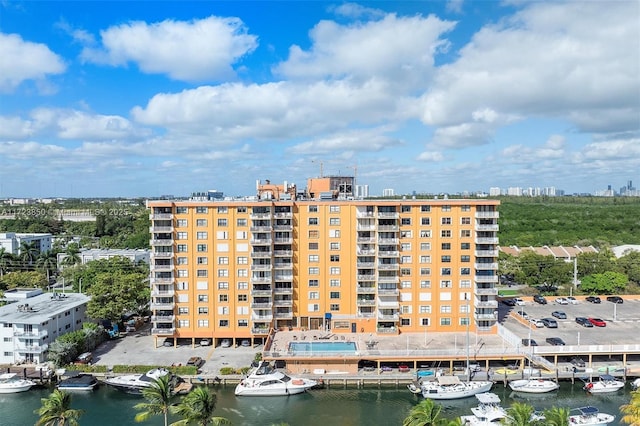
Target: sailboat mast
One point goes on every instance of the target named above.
(468, 366)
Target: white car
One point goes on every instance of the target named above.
(562, 301)
(572, 300)
(537, 323)
(519, 302)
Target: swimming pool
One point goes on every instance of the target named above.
(322, 347)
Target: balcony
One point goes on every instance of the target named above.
(261, 292)
(486, 279)
(366, 314)
(485, 317)
(366, 227)
(486, 291)
(31, 334)
(366, 265)
(162, 242)
(162, 254)
(283, 290)
(262, 317)
(163, 331)
(392, 304)
(388, 253)
(283, 265)
(388, 228)
(388, 241)
(262, 267)
(487, 304)
(260, 254)
(365, 302)
(260, 229)
(158, 216)
(261, 241)
(283, 215)
(34, 349)
(283, 253)
(487, 266)
(260, 331)
(283, 227)
(387, 330)
(367, 240)
(388, 266)
(365, 290)
(385, 279)
(161, 267)
(162, 293)
(366, 252)
(162, 306)
(163, 318)
(495, 228)
(486, 253)
(388, 317)
(153, 229)
(388, 291)
(487, 215)
(366, 277)
(261, 280)
(486, 240)
(162, 280)
(283, 240)
(388, 215)
(362, 215)
(260, 215)
(262, 305)
(284, 315)
(283, 302)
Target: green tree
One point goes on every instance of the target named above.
(595, 263)
(47, 262)
(629, 264)
(56, 410)
(606, 283)
(631, 410)
(6, 260)
(29, 279)
(72, 255)
(114, 294)
(197, 409)
(521, 414)
(426, 413)
(28, 252)
(556, 416)
(158, 396)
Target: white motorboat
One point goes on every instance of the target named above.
(264, 380)
(450, 387)
(135, 383)
(590, 416)
(635, 384)
(488, 412)
(533, 385)
(12, 383)
(606, 384)
(78, 382)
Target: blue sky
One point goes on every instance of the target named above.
(152, 98)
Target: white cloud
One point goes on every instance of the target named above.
(347, 143)
(431, 156)
(356, 11)
(198, 50)
(454, 6)
(24, 60)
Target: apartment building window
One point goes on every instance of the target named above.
(465, 246)
(313, 221)
(224, 323)
(405, 272)
(425, 284)
(313, 209)
(314, 283)
(242, 273)
(334, 258)
(445, 271)
(405, 221)
(465, 221)
(183, 310)
(335, 270)
(201, 209)
(446, 208)
(465, 208)
(201, 222)
(222, 235)
(405, 260)
(201, 235)
(223, 260)
(424, 309)
(334, 295)
(425, 233)
(243, 285)
(405, 209)
(333, 307)
(181, 223)
(242, 260)
(223, 285)
(405, 284)
(445, 309)
(242, 298)
(334, 209)
(241, 209)
(181, 236)
(445, 246)
(313, 246)
(183, 323)
(241, 222)
(181, 210)
(222, 222)
(223, 272)
(314, 258)
(183, 273)
(445, 259)
(314, 295)
(445, 284)
(201, 248)
(405, 247)
(334, 221)
(334, 246)
(465, 271)
(314, 271)
(203, 323)
(424, 322)
(425, 221)
(202, 273)
(203, 298)
(425, 246)
(465, 258)
(405, 321)
(334, 233)
(425, 259)
(425, 209)
(241, 235)
(406, 234)
(314, 234)
(182, 261)
(223, 298)
(203, 310)
(446, 221)
(183, 285)
(334, 282)
(465, 233)
(425, 271)
(464, 321)
(465, 283)
(222, 209)
(445, 233)
(243, 323)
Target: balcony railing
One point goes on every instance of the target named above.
(366, 314)
(487, 228)
(162, 293)
(157, 216)
(162, 242)
(368, 240)
(361, 214)
(283, 215)
(283, 240)
(282, 227)
(487, 304)
(163, 331)
(283, 253)
(388, 241)
(365, 302)
(487, 266)
(264, 317)
(283, 290)
(486, 278)
(388, 291)
(388, 317)
(259, 280)
(163, 318)
(260, 229)
(260, 254)
(262, 305)
(283, 265)
(366, 290)
(388, 227)
(388, 253)
(366, 265)
(261, 241)
(387, 330)
(261, 292)
(366, 277)
(485, 317)
(384, 279)
(31, 334)
(162, 280)
(34, 349)
(162, 306)
(487, 215)
(366, 252)
(388, 215)
(162, 254)
(153, 229)
(282, 302)
(388, 266)
(260, 215)
(486, 253)
(157, 267)
(487, 240)
(260, 331)
(259, 267)
(486, 291)
(366, 228)
(284, 315)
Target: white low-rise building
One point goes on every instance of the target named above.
(11, 241)
(32, 320)
(88, 255)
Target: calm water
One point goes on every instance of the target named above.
(336, 406)
(336, 347)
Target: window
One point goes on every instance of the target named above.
(223, 285)
(314, 271)
(202, 260)
(424, 309)
(405, 272)
(181, 223)
(445, 246)
(405, 259)
(445, 233)
(465, 271)
(223, 298)
(201, 248)
(334, 209)
(314, 295)
(405, 284)
(203, 310)
(424, 322)
(314, 258)
(405, 321)
(425, 221)
(425, 259)
(241, 222)
(465, 233)
(445, 259)
(465, 258)
(334, 295)
(445, 271)
(445, 309)
(181, 248)
(464, 321)
(241, 235)
(243, 323)
(222, 209)
(446, 208)
(183, 323)
(242, 273)
(425, 284)
(334, 221)
(243, 285)
(242, 260)
(425, 233)
(465, 246)
(465, 208)
(445, 284)
(405, 246)
(222, 235)
(201, 235)
(223, 272)
(465, 283)
(222, 222)
(201, 222)
(425, 246)
(335, 270)
(224, 323)
(202, 273)
(405, 221)
(241, 209)
(313, 246)
(406, 234)
(465, 221)
(182, 285)
(314, 234)
(181, 236)
(201, 209)
(446, 221)
(183, 273)
(203, 298)
(313, 283)
(182, 261)
(334, 307)
(203, 323)
(334, 283)
(445, 321)
(334, 233)
(313, 221)
(334, 258)
(183, 310)
(242, 298)
(334, 246)
(181, 210)
(425, 271)
(223, 260)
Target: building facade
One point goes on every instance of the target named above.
(12, 241)
(237, 269)
(89, 255)
(33, 319)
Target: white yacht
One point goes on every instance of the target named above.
(134, 383)
(590, 416)
(606, 384)
(488, 412)
(635, 384)
(12, 383)
(264, 380)
(450, 387)
(78, 382)
(533, 385)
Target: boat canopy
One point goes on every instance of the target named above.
(488, 398)
(607, 377)
(448, 380)
(7, 376)
(588, 410)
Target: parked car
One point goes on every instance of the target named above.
(205, 342)
(562, 301)
(577, 361)
(168, 342)
(572, 300)
(226, 343)
(559, 314)
(245, 343)
(539, 299)
(549, 322)
(555, 341)
(615, 299)
(529, 342)
(536, 322)
(84, 358)
(584, 321)
(593, 299)
(195, 361)
(519, 301)
(403, 368)
(598, 322)
(523, 314)
(509, 302)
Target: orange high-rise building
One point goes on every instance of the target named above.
(235, 269)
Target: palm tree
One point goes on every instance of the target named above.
(158, 397)
(424, 414)
(556, 416)
(28, 251)
(197, 408)
(72, 255)
(520, 414)
(6, 259)
(631, 410)
(56, 410)
(48, 262)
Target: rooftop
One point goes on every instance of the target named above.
(40, 308)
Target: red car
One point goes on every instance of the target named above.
(597, 322)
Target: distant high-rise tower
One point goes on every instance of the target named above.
(362, 191)
(388, 192)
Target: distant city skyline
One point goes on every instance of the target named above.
(104, 99)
